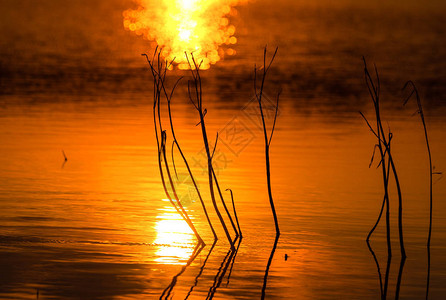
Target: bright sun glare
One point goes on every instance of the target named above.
(174, 238)
(192, 26)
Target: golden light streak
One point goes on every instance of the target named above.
(193, 26)
(174, 237)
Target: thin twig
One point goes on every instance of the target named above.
(195, 71)
(431, 172)
(267, 139)
(235, 213)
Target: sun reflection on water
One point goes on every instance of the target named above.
(174, 238)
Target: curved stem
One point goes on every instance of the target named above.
(265, 134)
(235, 213)
(224, 204)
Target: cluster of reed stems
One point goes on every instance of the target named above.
(159, 70)
(161, 93)
(196, 98)
(388, 168)
(389, 171)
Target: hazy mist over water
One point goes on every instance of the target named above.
(81, 47)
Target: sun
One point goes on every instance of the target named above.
(201, 27)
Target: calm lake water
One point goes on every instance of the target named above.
(98, 226)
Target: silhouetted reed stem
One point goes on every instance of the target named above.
(377, 266)
(175, 142)
(188, 220)
(188, 169)
(233, 260)
(194, 68)
(383, 288)
(384, 146)
(267, 139)
(400, 276)
(385, 180)
(168, 290)
(400, 206)
(386, 278)
(224, 204)
(201, 270)
(159, 73)
(268, 265)
(160, 140)
(383, 142)
(235, 213)
(431, 172)
(374, 92)
(230, 256)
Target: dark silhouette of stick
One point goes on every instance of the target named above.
(168, 290)
(377, 267)
(382, 289)
(168, 96)
(400, 207)
(384, 146)
(268, 265)
(221, 272)
(159, 70)
(386, 143)
(65, 159)
(220, 193)
(235, 213)
(431, 172)
(267, 138)
(224, 204)
(386, 278)
(201, 270)
(169, 176)
(233, 260)
(188, 168)
(400, 275)
(64, 156)
(194, 68)
(374, 93)
(383, 203)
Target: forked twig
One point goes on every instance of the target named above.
(198, 104)
(159, 71)
(267, 138)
